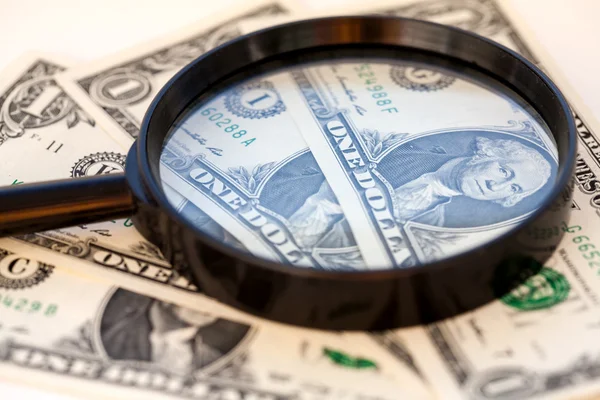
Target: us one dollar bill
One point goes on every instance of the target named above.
(251, 170)
(42, 126)
(538, 341)
(43, 133)
(95, 339)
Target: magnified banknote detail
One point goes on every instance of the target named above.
(351, 165)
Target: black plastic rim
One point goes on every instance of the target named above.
(477, 52)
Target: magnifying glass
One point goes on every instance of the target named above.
(347, 173)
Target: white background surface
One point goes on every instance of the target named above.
(567, 30)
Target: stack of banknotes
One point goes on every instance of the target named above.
(95, 311)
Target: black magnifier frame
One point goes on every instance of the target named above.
(321, 299)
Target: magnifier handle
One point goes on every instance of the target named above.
(37, 207)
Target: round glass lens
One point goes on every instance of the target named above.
(358, 163)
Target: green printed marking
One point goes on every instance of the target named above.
(51, 310)
(17, 182)
(228, 126)
(348, 361)
(587, 249)
(27, 306)
(376, 90)
(543, 290)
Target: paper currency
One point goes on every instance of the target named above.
(249, 168)
(540, 340)
(40, 122)
(98, 339)
(414, 177)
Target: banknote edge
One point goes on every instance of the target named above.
(68, 80)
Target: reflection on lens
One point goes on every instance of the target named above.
(351, 165)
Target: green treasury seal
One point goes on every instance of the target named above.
(543, 290)
(345, 360)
